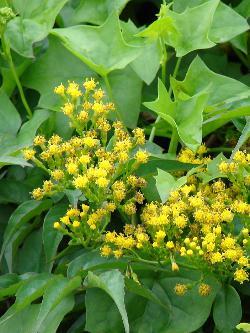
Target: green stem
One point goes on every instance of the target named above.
(163, 78)
(173, 142)
(6, 49)
(241, 57)
(176, 69)
(220, 149)
(110, 94)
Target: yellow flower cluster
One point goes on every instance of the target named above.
(91, 163)
(197, 222)
(186, 155)
(238, 168)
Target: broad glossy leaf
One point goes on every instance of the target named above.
(12, 191)
(34, 23)
(52, 321)
(101, 48)
(220, 88)
(54, 294)
(92, 260)
(129, 103)
(11, 160)
(10, 119)
(93, 12)
(192, 32)
(107, 319)
(51, 237)
(244, 327)
(23, 214)
(226, 22)
(166, 183)
(147, 64)
(112, 282)
(26, 318)
(12, 144)
(29, 291)
(192, 308)
(22, 321)
(184, 115)
(227, 310)
(30, 257)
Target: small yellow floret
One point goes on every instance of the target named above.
(141, 156)
(60, 90)
(241, 275)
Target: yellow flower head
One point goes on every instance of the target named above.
(180, 289)
(29, 154)
(141, 156)
(204, 289)
(39, 140)
(89, 84)
(73, 90)
(68, 109)
(241, 275)
(60, 90)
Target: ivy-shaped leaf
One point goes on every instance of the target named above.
(92, 12)
(102, 48)
(184, 115)
(34, 23)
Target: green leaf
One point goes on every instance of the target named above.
(22, 321)
(10, 119)
(192, 32)
(129, 104)
(92, 260)
(26, 318)
(112, 282)
(147, 64)
(184, 115)
(101, 48)
(12, 144)
(221, 89)
(141, 290)
(227, 309)
(11, 160)
(107, 319)
(244, 327)
(29, 291)
(54, 294)
(166, 183)
(51, 237)
(54, 318)
(93, 12)
(243, 137)
(226, 22)
(12, 191)
(23, 214)
(212, 171)
(34, 23)
(30, 257)
(192, 308)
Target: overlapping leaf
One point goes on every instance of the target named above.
(101, 48)
(93, 12)
(186, 116)
(33, 24)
